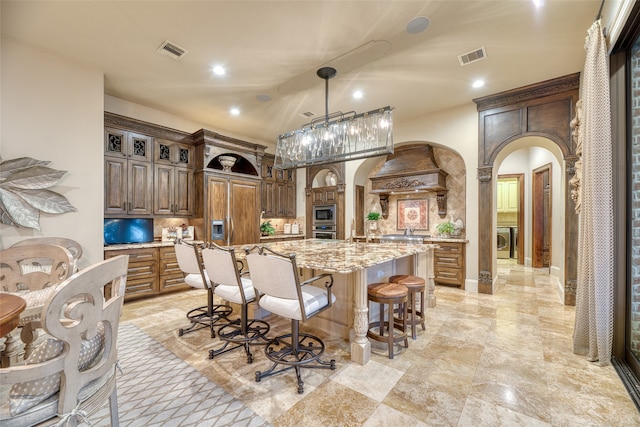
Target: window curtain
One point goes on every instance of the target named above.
(593, 332)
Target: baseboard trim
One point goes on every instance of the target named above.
(471, 285)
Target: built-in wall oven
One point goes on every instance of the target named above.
(324, 231)
(324, 215)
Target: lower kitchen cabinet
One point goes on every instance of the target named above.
(449, 263)
(151, 271)
(171, 277)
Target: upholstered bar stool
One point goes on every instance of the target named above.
(394, 296)
(416, 287)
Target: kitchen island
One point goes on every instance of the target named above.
(354, 266)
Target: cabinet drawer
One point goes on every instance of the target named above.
(140, 287)
(172, 282)
(448, 260)
(449, 276)
(169, 262)
(448, 248)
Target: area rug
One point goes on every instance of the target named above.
(157, 388)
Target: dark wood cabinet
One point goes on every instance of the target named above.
(130, 145)
(173, 179)
(171, 278)
(278, 190)
(128, 187)
(128, 173)
(151, 271)
(324, 195)
(236, 203)
(449, 263)
(142, 274)
(173, 190)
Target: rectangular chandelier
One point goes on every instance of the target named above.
(337, 137)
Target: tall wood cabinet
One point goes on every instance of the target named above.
(235, 202)
(128, 173)
(278, 194)
(173, 179)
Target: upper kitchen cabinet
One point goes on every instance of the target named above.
(130, 145)
(173, 179)
(173, 190)
(173, 153)
(128, 173)
(148, 169)
(278, 190)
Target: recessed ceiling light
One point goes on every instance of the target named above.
(357, 94)
(219, 70)
(478, 83)
(417, 25)
(234, 111)
(538, 3)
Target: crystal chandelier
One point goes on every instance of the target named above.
(336, 137)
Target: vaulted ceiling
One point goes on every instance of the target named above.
(272, 49)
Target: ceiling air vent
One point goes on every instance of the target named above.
(308, 114)
(473, 56)
(172, 50)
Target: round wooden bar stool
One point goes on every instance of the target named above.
(416, 287)
(392, 295)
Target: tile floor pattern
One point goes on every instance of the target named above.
(158, 389)
(484, 360)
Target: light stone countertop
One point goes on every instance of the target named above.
(427, 239)
(282, 236)
(338, 256)
(154, 244)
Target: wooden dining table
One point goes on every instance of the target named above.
(10, 308)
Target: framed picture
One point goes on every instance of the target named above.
(413, 214)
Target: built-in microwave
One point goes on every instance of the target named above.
(324, 215)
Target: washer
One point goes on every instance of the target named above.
(504, 242)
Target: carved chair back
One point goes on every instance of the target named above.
(34, 267)
(71, 245)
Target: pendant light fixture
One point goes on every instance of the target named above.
(336, 137)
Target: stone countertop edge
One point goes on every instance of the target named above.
(154, 244)
(281, 236)
(427, 239)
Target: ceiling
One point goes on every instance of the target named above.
(274, 48)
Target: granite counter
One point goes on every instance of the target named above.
(354, 266)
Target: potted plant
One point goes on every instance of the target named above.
(445, 229)
(373, 218)
(266, 229)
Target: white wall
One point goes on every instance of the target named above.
(52, 110)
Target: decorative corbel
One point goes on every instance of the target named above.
(441, 199)
(384, 205)
(485, 174)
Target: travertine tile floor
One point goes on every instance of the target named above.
(484, 360)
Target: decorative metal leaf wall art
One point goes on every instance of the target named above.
(24, 193)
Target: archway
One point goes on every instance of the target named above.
(541, 110)
(523, 157)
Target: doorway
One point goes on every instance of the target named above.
(541, 217)
(510, 214)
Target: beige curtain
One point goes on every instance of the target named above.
(593, 333)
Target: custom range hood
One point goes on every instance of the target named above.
(411, 169)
